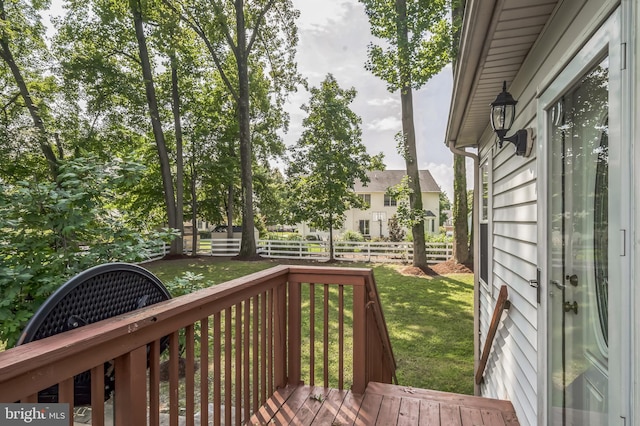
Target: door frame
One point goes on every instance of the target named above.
(606, 41)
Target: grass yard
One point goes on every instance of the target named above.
(430, 320)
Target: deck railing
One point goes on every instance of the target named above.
(502, 304)
(234, 344)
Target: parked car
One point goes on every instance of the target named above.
(223, 228)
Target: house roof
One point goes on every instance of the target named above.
(497, 36)
(380, 180)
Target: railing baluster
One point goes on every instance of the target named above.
(238, 363)
(340, 337)
(270, 342)
(326, 336)
(97, 396)
(173, 378)
(312, 334)
(247, 350)
(227, 366)
(280, 337)
(359, 339)
(263, 348)
(217, 369)
(204, 371)
(189, 374)
(154, 383)
(256, 346)
(293, 343)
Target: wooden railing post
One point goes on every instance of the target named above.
(131, 382)
(295, 334)
(359, 338)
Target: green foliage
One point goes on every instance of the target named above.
(396, 232)
(186, 283)
(328, 159)
(52, 231)
(352, 236)
(406, 216)
(426, 47)
(445, 204)
(438, 238)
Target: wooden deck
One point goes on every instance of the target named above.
(381, 404)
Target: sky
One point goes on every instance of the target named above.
(334, 35)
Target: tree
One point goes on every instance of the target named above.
(247, 29)
(461, 248)
(327, 160)
(135, 7)
(396, 233)
(417, 45)
(460, 211)
(21, 40)
(445, 205)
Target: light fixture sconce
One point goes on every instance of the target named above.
(503, 112)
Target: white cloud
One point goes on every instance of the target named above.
(384, 124)
(378, 102)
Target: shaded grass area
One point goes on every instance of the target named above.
(430, 320)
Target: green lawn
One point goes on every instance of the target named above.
(430, 321)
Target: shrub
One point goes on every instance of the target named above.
(352, 236)
(51, 231)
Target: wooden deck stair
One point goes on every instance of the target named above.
(381, 404)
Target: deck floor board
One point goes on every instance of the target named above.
(384, 405)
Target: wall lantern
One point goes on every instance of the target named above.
(503, 112)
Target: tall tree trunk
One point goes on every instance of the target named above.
(460, 211)
(194, 207)
(409, 135)
(248, 247)
(7, 56)
(177, 121)
(165, 166)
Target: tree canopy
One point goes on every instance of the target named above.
(415, 45)
(328, 159)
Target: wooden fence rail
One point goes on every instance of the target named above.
(234, 344)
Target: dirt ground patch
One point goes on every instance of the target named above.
(443, 268)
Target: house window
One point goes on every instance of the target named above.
(484, 207)
(366, 198)
(389, 201)
(484, 225)
(364, 227)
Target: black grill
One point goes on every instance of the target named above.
(96, 294)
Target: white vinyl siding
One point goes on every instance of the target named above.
(512, 370)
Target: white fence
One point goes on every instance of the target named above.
(319, 250)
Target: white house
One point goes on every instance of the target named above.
(559, 222)
(373, 221)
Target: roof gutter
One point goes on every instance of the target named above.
(476, 260)
(478, 20)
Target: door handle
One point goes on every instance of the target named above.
(568, 307)
(573, 279)
(558, 284)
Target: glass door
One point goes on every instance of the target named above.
(578, 240)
